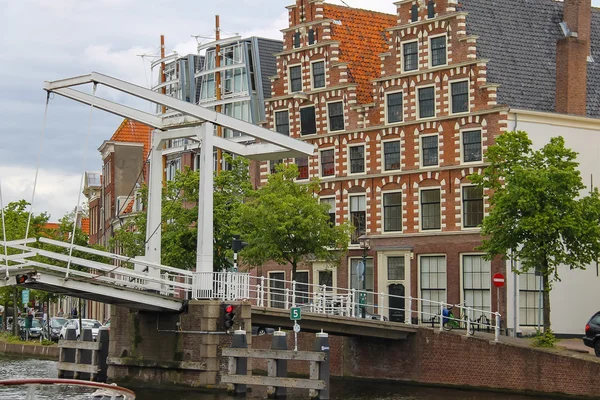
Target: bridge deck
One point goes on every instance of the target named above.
(332, 324)
(53, 282)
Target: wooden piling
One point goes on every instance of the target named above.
(277, 368)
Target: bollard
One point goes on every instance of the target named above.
(497, 330)
(320, 370)
(85, 356)
(441, 317)
(238, 365)
(277, 368)
(68, 355)
(103, 338)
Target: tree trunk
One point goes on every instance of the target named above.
(294, 268)
(79, 316)
(546, 300)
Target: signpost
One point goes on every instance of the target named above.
(498, 281)
(296, 315)
(25, 297)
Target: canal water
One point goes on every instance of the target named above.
(17, 368)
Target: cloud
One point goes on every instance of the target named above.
(56, 191)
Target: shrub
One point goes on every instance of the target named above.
(544, 339)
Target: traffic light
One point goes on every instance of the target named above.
(27, 278)
(227, 313)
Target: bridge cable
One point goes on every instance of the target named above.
(85, 152)
(37, 168)
(4, 231)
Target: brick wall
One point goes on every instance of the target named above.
(432, 357)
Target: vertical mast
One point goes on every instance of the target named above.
(218, 86)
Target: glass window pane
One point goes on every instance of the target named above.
(430, 209)
(357, 159)
(296, 79)
(472, 206)
(394, 107)
(391, 155)
(307, 121)
(429, 145)
(396, 268)
(460, 96)
(318, 69)
(282, 123)
(426, 102)
(472, 146)
(336, 116)
(411, 56)
(327, 163)
(438, 51)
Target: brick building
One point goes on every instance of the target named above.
(401, 109)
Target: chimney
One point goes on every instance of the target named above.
(572, 53)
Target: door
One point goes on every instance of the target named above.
(397, 304)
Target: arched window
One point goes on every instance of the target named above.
(430, 9)
(414, 13)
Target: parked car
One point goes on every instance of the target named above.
(592, 333)
(51, 331)
(87, 324)
(35, 332)
(261, 330)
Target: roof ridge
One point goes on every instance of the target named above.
(358, 9)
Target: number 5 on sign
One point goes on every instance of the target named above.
(295, 314)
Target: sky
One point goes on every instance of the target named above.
(45, 40)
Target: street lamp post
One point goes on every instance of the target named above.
(364, 245)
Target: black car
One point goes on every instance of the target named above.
(53, 331)
(592, 333)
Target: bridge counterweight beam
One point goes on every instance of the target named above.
(204, 257)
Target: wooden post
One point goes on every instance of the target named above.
(238, 365)
(320, 370)
(102, 355)
(68, 355)
(277, 368)
(86, 356)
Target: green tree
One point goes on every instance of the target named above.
(538, 212)
(180, 216)
(283, 221)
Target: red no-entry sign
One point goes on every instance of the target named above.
(498, 280)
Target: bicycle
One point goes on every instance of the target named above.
(449, 321)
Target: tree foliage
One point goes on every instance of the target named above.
(284, 222)
(180, 216)
(538, 212)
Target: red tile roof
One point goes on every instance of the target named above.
(361, 37)
(128, 208)
(52, 226)
(85, 225)
(134, 132)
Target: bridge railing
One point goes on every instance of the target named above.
(350, 302)
(152, 277)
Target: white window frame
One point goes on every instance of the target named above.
(348, 161)
(421, 150)
(468, 96)
(312, 82)
(270, 287)
(383, 231)
(391, 171)
(275, 120)
(402, 55)
(419, 288)
(321, 266)
(429, 55)
(462, 149)
(334, 204)
(321, 163)
(350, 195)
(462, 211)
(462, 283)
(421, 211)
(386, 94)
(343, 115)
(417, 95)
(289, 76)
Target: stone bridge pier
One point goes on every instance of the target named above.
(148, 348)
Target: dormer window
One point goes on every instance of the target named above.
(312, 36)
(431, 9)
(296, 40)
(414, 13)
